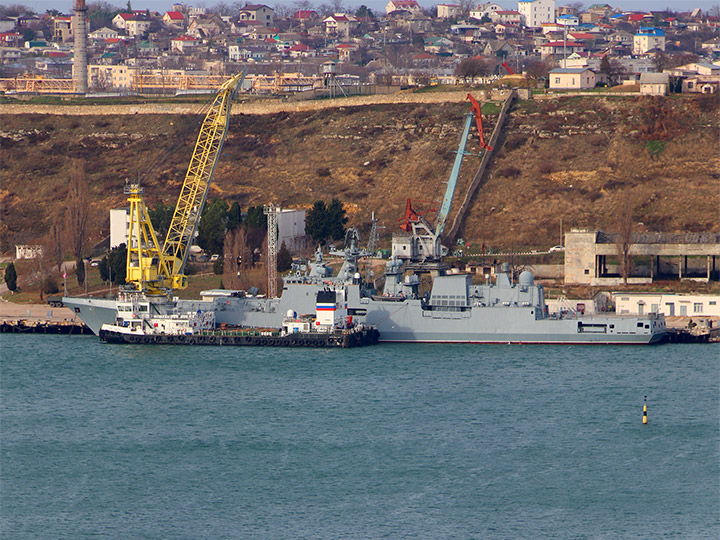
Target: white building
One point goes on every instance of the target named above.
(484, 10)
(537, 12)
(28, 252)
(670, 305)
(572, 78)
(448, 11)
(648, 39)
(119, 223)
(291, 228)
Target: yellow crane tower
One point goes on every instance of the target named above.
(156, 271)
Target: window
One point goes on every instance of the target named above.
(697, 307)
(587, 271)
(712, 302)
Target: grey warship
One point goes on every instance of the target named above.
(454, 311)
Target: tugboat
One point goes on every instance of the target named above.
(329, 327)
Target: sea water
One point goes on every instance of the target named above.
(392, 441)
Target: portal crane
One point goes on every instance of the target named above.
(157, 271)
(425, 239)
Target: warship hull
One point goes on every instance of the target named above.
(412, 320)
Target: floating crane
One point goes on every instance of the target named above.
(425, 239)
(155, 270)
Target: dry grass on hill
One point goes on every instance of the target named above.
(573, 159)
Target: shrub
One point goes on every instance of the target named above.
(510, 172)
(51, 285)
(546, 168)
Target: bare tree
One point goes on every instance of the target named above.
(237, 258)
(77, 213)
(624, 224)
(55, 247)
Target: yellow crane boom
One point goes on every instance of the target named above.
(155, 270)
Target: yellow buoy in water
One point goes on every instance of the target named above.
(645, 411)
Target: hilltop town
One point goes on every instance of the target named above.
(288, 50)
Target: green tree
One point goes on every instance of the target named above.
(234, 217)
(336, 220)
(80, 271)
(211, 230)
(11, 277)
(316, 222)
(284, 259)
(114, 265)
(255, 218)
(161, 217)
(324, 222)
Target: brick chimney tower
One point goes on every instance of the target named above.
(80, 49)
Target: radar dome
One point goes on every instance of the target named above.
(290, 314)
(526, 278)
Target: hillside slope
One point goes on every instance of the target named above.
(575, 160)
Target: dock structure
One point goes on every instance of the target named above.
(588, 253)
(23, 326)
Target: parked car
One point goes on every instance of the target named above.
(214, 258)
(556, 248)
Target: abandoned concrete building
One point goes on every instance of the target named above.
(591, 257)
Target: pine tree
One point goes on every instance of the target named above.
(11, 277)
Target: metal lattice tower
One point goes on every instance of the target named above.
(272, 211)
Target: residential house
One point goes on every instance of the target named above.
(648, 39)
(107, 77)
(305, 15)
(568, 20)
(63, 29)
(560, 48)
(120, 20)
(137, 25)
(448, 11)
(571, 78)
(621, 36)
(654, 84)
(340, 24)
(206, 27)
(258, 12)
(700, 77)
(402, 5)
(484, 10)
(103, 34)
(256, 53)
(348, 53)
(566, 10)
(639, 18)
(300, 50)
(601, 10)
(174, 19)
(438, 44)
(506, 17)
(10, 39)
(536, 12)
(499, 49)
(184, 43)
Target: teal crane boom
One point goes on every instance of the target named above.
(476, 113)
